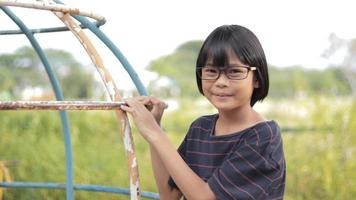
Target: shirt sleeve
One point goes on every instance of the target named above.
(250, 171)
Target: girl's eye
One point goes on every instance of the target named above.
(210, 70)
(236, 71)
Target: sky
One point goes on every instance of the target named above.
(291, 32)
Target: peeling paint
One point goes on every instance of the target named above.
(101, 72)
(134, 190)
(111, 88)
(77, 29)
(115, 96)
(127, 140)
(92, 56)
(134, 163)
(47, 5)
(59, 14)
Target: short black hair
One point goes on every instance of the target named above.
(247, 48)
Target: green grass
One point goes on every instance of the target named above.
(321, 163)
(35, 140)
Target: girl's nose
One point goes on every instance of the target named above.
(222, 80)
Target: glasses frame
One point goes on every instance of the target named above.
(223, 69)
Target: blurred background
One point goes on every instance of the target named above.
(310, 48)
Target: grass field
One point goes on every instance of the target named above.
(319, 141)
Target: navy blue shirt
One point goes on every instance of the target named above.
(248, 164)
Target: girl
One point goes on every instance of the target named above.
(234, 154)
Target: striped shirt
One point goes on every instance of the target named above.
(248, 164)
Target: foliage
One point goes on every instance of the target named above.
(23, 70)
(284, 82)
(180, 67)
(290, 82)
(320, 159)
(321, 164)
(348, 48)
(35, 141)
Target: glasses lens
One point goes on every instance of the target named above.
(233, 73)
(209, 73)
(236, 73)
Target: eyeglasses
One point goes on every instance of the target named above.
(233, 73)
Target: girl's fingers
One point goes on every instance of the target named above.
(135, 106)
(130, 106)
(144, 100)
(140, 105)
(126, 108)
(158, 102)
(149, 102)
(138, 100)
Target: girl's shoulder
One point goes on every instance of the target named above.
(206, 119)
(203, 124)
(265, 132)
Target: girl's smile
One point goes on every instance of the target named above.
(222, 97)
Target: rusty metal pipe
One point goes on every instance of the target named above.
(60, 105)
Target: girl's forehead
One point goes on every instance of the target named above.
(227, 58)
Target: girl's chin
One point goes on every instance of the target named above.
(222, 98)
(224, 106)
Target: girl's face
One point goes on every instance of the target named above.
(226, 94)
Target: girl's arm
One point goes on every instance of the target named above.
(190, 184)
(161, 175)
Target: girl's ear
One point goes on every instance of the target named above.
(256, 84)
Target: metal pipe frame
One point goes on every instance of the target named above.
(60, 105)
(114, 94)
(47, 5)
(115, 50)
(59, 96)
(66, 105)
(62, 186)
(100, 20)
(48, 30)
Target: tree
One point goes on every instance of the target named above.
(23, 69)
(285, 82)
(348, 65)
(179, 67)
(76, 81)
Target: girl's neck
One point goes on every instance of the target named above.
(237, 115)
(236, 120)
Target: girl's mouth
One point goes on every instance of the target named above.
(222, 94)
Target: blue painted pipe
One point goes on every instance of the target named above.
(93, 188)
(47, 30)
(58, 92)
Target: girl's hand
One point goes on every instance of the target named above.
(157, 108)
(146, 113)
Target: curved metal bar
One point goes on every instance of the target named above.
(59, 96)
(46, 5)
(49, 30)
(114, 94)
(94, 188)
(100, 20)
(114, 49)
